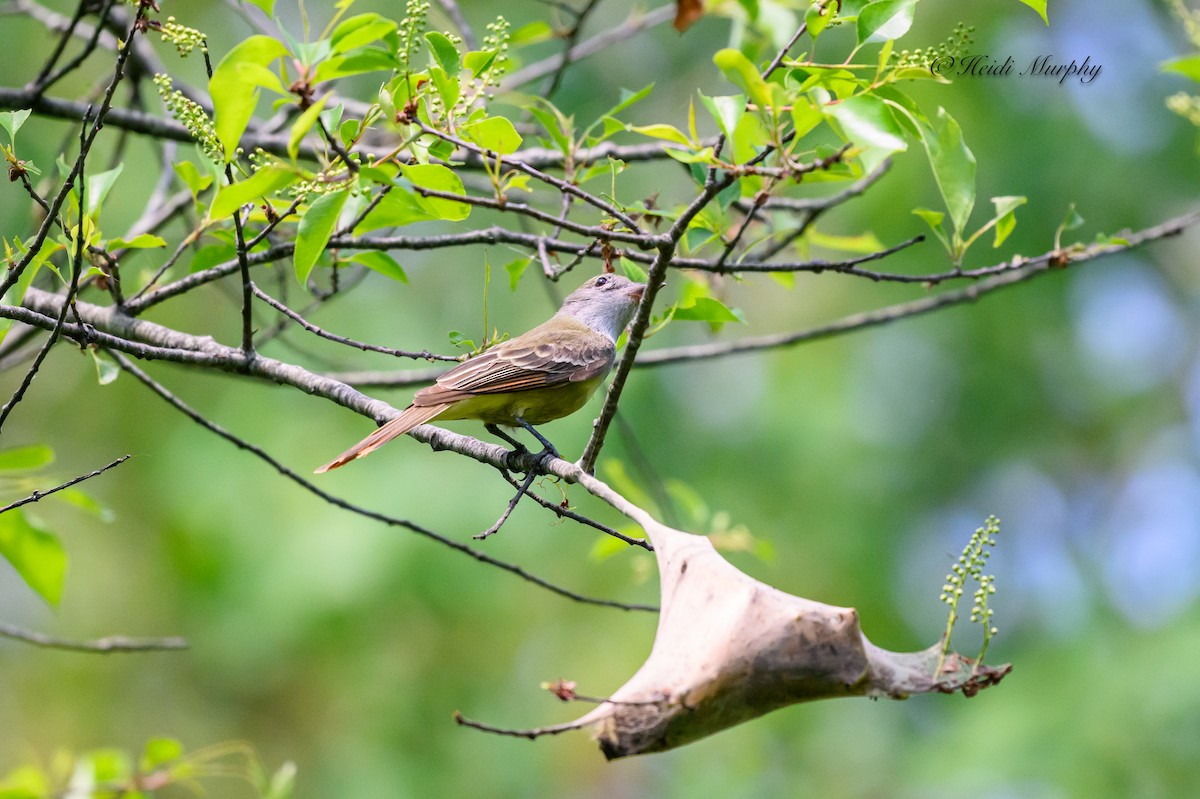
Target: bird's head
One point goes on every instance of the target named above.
(605, 303)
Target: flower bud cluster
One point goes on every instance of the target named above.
(189, 114)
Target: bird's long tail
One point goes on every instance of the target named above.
(407, 420)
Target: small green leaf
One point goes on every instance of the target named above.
(1072, 220)
(235, 83)
(744, 75)
(1187, 65)
(662, 131)
(98, 186)
(12, 121)
(106, 368)
(262, 183)
(726, 110)
(444, 52)
(315, 228)
(628, 98)
(818, 17)
(382, 263)
(1006, 218)
(303, 125)
(934, 220)
(553, 123)
(359, 31)
(1038, 6)
(21, 458)
(953, 166)
(458, 339)
(36, 554)
(142, 241)
(885, 19)
(192, 178)
(711, 310)
(868, 122)
(267, 6)
(494, 133)
(438, 178)
(515, 269)
(633, 271)
(159, 752)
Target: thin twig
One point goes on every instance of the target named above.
(531, 734)
(106, 645)
(311, 328)
(39, 495)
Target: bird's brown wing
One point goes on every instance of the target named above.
(530, 361)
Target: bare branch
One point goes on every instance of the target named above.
(108, 645)
(39, 495)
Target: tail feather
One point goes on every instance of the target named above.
(407, 420)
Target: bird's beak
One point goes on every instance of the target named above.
(636, 293)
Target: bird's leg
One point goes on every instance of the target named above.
(549, 448)
(498, 433)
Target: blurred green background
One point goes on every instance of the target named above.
(1069, 407)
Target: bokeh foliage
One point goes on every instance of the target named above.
(1067, 406)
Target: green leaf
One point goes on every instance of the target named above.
(142, 241)
(106, 368)
(315, 228)
(1006, 219)
(438, 178)
(934, 220)
(1187, 65)
(235, 83)
(1072, 220)
(726, 110)
(262, 183)
(303, 125)
(458, 339)
(358, 62)
(494, 133)
(886, 19)
(98, 186)
(711, 310)
(192, 178)
(21, 458)
(554, 124)
(359, 31)
(398, 207)
(861, 243)
(448, 87)
(744, 75)
(81, 500)
(382, 263)
(953, 167)
(869, 123)
(662, 131)
(36, 554)
(444, 52)
(267, 6)
(628, 98)
(1038, 6)
(817, 18)
(634, 271)
(515, 269)
(12, 121)
(158, 752)
(478, 62)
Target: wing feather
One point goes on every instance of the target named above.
(540, 358)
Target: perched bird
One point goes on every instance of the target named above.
(537, 377)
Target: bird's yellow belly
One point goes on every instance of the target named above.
(536, 406)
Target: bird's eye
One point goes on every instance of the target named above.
(600, 281)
